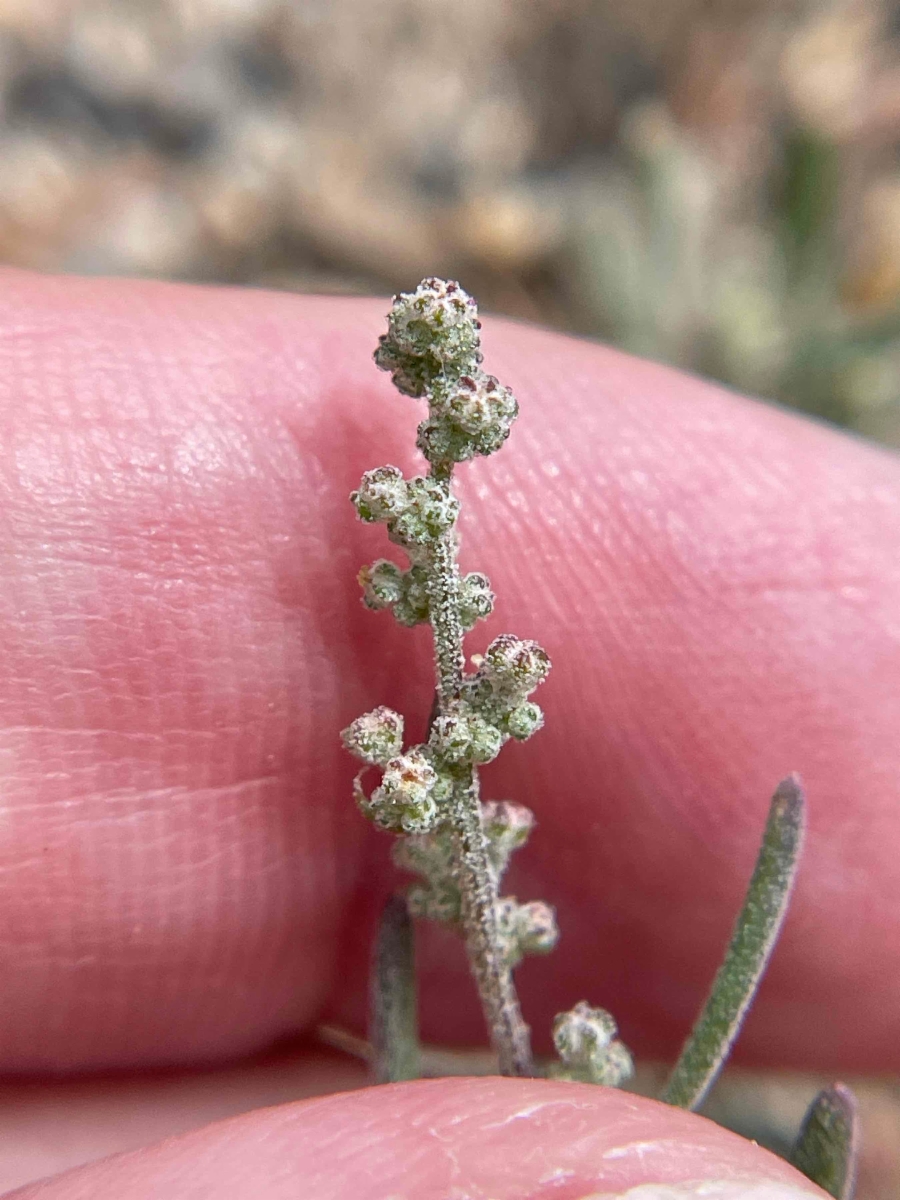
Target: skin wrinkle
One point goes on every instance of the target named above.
(147, 797)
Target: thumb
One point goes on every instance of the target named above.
(441, 1138)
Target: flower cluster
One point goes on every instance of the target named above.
(376, 737)
(493, 704)
(492, 708)
(406, 800)
(586, 1042)
(432, 349)
(523, 928)
(433, 337)
(385, 585)
(510, 671)
(411, 800)
(473, 417)
(417, 511)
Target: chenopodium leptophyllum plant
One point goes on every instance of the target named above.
(428, 794)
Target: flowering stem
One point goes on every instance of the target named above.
(493, 978)
(478, 889)
(443, 605)
(429, 793)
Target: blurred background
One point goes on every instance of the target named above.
(711, 183)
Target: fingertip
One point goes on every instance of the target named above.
(490, 1137)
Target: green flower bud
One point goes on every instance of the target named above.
(443, 785)
(483, 408)
(476, 600)
(429, 513)
(524, 720)
(618, 1066)
(479, 402)
(442, 442)
(507, 827)
(476, 692)
(410, 375)
(525, 928)
(583, 1033)
(473, 417)
(385, 585)
(411, 608)
(382, 494)
(404, 802)
(381, 583)
(514, 666)
(461, 737)
(375, 737)
(585, 1039)
(538, 932)
(433, 334)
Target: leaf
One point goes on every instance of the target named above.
(828, 1142)
(755, 933)
(392, 999)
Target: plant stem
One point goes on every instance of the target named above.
(443, 602)
(393, 1018)
(509, 1033)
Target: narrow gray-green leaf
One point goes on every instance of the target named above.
(827, 1145)
(752, 942)
(393, 1013)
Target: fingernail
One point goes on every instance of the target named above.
(710, 1189)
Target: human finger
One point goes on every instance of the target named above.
(487, 1137)
(185, 878)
